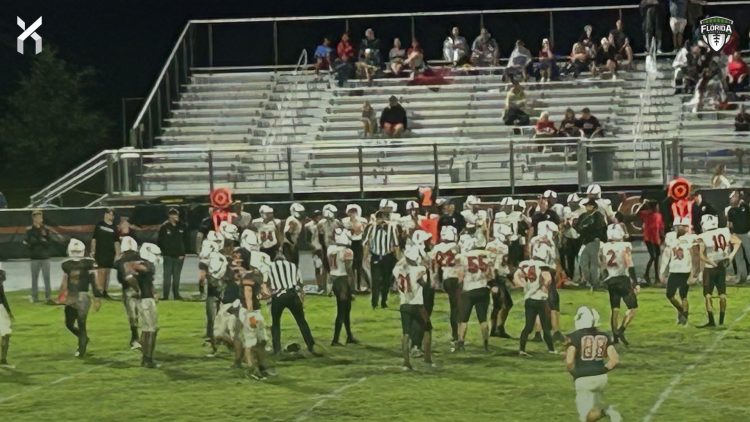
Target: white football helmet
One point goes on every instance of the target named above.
(229, 231)
(329, 211)
(412, 254)
(420, 236)
(150, 253)
(296, 210)
(471, 200)
(383, 204)
(549, 194)
(448, 233)
(547, 228)
(342, 236)
(393, 206)
(354, 207)
(217, 265)
(615, 233)
(573, 197)
(521, 204)
(76, 248)
(128, 244)
(586, 318)
(594, 189)
(412, 205)
(207, 248)
(507, 202)
(709, 222)
(215, 237)
(249, 241)
(265, 209)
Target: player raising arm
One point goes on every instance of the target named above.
(717, 247)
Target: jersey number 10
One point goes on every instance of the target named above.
(720, 242)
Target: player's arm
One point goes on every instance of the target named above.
(349, 265)
(3, 298)
(704, 259)
(570, 358)
(64, 284)
(518, 279)
(628, 258)
(666, 256)
(614, 358)
(736, 245)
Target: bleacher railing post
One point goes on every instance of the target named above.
(436, 167)
(551, 30)
(512, 167)
(210, 45)
(664, 162)
(140, 173)
(581, 164)
(360, 158)
(210, 171)
(676, 157)
(276, 43)
(109, 174)
(289, 172)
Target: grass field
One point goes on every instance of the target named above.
(701, 375)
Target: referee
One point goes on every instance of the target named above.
(382, 241)
(286, 290)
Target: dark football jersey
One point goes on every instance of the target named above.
(128, 256)
(254, 279)
(79, 274)
(591, 350)
(231, 290)
(146, 280)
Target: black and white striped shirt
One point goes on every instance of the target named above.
(382, 239)
(284, 275)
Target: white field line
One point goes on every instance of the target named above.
(678, 378)
(332, 395)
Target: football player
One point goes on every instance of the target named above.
(544, 253)
(410, 278)
(79, 273)
(292, 229)
(585, 360)
(342, 280)
(420, 239)
(254, 335)
(477, 272)
(141, 279)
(471, 209)
(571, 243)
(268, 229)
(444, 263)
(616, 257)
(356, 224)
(551, 197)
(717, 247)
(231, 235)
(227, 325)
(129, 253)
(604, 206)
(677, 259)
(6, 317)
(411, 222)
(213, 242)
(535, 283)
(326, 230)
(502, 301)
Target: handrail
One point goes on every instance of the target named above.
(301, 62)
(63, 179)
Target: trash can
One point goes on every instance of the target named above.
(602, 163)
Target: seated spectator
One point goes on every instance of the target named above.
(515, 104)
(720, 181)
(679, 64)
(369, 120)
(344, 49)
(677, 20)
(621, 42)
(546, 61)
(369, 42)
(578, 61)
(742, 120)
(606, 57)
(368, 65)
(455, 48)
(415, 58)
(343, 66)
(697, 61)
(484, 50)
(589, 125)
(518, 61)
(323, 55)
(568, 124)
(396, 57)
(736, 72)
(587, 40)
(544, 127)
(393, 119)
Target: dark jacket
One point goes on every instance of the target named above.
(698, 212)
(38, 241)
(393, 115)
(592, 226)
(173, 239)
(456, 220)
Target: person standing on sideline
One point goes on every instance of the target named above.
(738, 221)
(38, 240)
(653, 233)
(104, 247)
(593, 230)
(382, 242)
(6, 317)
(173, 241)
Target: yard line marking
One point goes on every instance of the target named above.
(332, 395)
(676, 380)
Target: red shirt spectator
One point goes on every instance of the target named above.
(345, 50)
(653, 225)
(736, 68)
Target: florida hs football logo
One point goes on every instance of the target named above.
(716, 31)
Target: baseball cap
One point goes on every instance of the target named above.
(173, 211)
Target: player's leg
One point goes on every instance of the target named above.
(5, 332)
(554, 313)
(337, 287)
(614, 306)
(347, 308)
(132, 313)
(211, 310)
(683, 291)
(150, 327)
(298, 312)
(425, 326)
(4, 346)
(482, 306)
(631, 302)
(708, 288)
(507, 302)
(377, 275)
(202, 274)
(544, 318)
(83, 304)
(721, 287)
(277, 308)
(451, 288)
(495, 314)
(236, 334)
(466, 308)
(406, 327)
(71, 315)
(530, 314)
(673, 283)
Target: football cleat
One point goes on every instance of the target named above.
(134, 345)
(336, 343)
(621, 336)
(4, 364)
(706, 325)
(352, 340)
(523, 354)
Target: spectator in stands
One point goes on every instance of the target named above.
(515, 104)
(345, 49)
(589, 125)
(697, 61)
(369, 120)
(652, 21)
(579, 60)
(587, 40)
(393, 119)
(742, 120)
(323, 56)
(518, 62)
(621, 42)
(415, 58)
(396, 57)
(680, 64)
(606, 58)
(547, 64)
(568, 124)
(344, 65)
(720, 180)
(368, 65)
(677, 20)
(544, 128)
(3, 202)
(455, 48)
(737, 72)
(369, 42)
(732, 45)
(484, 50)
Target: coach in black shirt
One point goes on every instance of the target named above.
(738, 221)
(701, 208)
(544, 213)
(38, 240)
(104, 248)
(173, 241)
(450, 217)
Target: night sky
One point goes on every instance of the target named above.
(128, 41)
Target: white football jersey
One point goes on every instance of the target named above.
(327, 228)
(470, 216)
(445, 256)
(500, 250)
(355, 226)
(478, 266)
(293, 226)
(408, 224)
(613, 254)
(681, 259)
(337, 257)
(312, 229)
(407, 280)
(207, 247)
(717, 241)
(570, 216)
(535, 241)
(267, 232)
(533, 288)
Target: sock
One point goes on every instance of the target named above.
(133, 334)
(721, 318)
(711, 318)
(622, 329)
